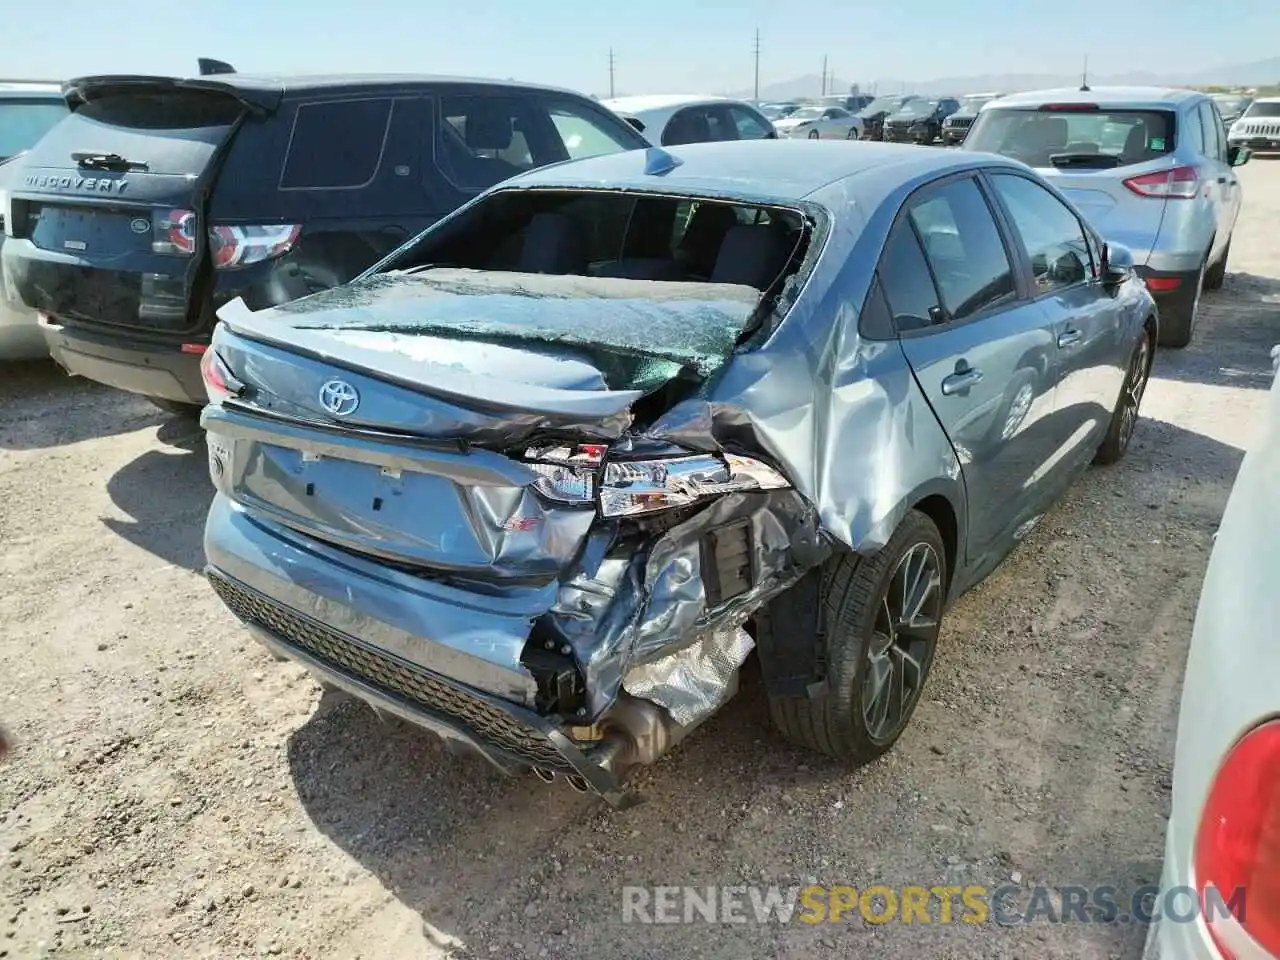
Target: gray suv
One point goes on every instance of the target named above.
(1150, 168)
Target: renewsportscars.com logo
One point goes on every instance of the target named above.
(1007, 905)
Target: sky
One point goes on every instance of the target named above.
(660, 46)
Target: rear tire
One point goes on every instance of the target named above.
(853, 134)
(814, 135)
(1215, 275)
(1125, 415)
(877, 653)
(190, 411)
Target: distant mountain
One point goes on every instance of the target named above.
(1256, 74)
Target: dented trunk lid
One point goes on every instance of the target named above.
(448, 377)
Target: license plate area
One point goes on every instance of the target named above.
(91, 231)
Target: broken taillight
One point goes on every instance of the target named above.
(219, 382)
(231, 246)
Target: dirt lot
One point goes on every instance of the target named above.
(175, 792)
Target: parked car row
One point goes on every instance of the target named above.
(518, 405)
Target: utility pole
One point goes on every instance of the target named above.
(1084, 76)
(611, 73)
(824, 75)
(756, 96)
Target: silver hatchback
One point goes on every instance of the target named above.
(1150, 168)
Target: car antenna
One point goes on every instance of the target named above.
(1084, 76)
(210, 67)
(657, 162)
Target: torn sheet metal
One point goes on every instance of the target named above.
(695, 681)
(625, 606)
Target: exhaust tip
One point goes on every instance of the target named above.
(578, 782)
(543, 774)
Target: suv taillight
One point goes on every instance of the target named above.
(174, 233)
(1180, 183)
(1237, 852)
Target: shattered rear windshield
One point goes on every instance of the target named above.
(693, 325)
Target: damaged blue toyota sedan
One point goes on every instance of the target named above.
(543, 479)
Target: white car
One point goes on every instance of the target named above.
(671, 120)
(1224, 826)
(27, 112)
(820, 123)
(1258, 127)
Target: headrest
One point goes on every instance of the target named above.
(752, 255)
(488, 127)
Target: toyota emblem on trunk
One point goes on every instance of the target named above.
(339, 398)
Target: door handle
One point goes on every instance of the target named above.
(960, 380)
(1068, 338)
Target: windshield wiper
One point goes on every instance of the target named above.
(106, 161)
(1102, 161)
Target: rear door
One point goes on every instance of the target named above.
(107, 223)
(981, 352)
(1089, 153)
(1086, 321)
(1223, 184)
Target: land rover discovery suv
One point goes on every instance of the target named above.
(158, 199)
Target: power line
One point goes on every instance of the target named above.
(756, 95)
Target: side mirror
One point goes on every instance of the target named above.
(1117, 265)
(1238, 155)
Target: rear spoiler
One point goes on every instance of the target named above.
(258, 96)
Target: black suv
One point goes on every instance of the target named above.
(919, 120)
(874, 113)
(158, 199)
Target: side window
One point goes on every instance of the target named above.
(1213, 139)
(722, 124)
(336, 145)
(963, 247)
(876, 320)
(483, 140)
(691, 125)
(583, 133)
(1050, 232)
(906, 281)
(750, 127)
(1193, 130)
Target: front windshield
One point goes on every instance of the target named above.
(1230, 104)
(973, 104)
(883, 104)
(777, 111)
(1263, 110)
(808, 113)
(918, 108)
(23, 122)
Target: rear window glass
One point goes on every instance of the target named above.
(23, 122)
(1074, 137)
(170, 132)
(337, 144)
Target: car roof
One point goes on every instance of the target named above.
(1266, 99)
(1155, 97)
(23, 88)
(781, 171)
(268, 89)
(662, 101)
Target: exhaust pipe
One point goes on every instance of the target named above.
(543, 774)
(578, 782)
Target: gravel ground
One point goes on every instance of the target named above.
(175, 792)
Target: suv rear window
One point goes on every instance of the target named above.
(1074, 136)
(168, 131)
(337, 144)
(23, 122)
